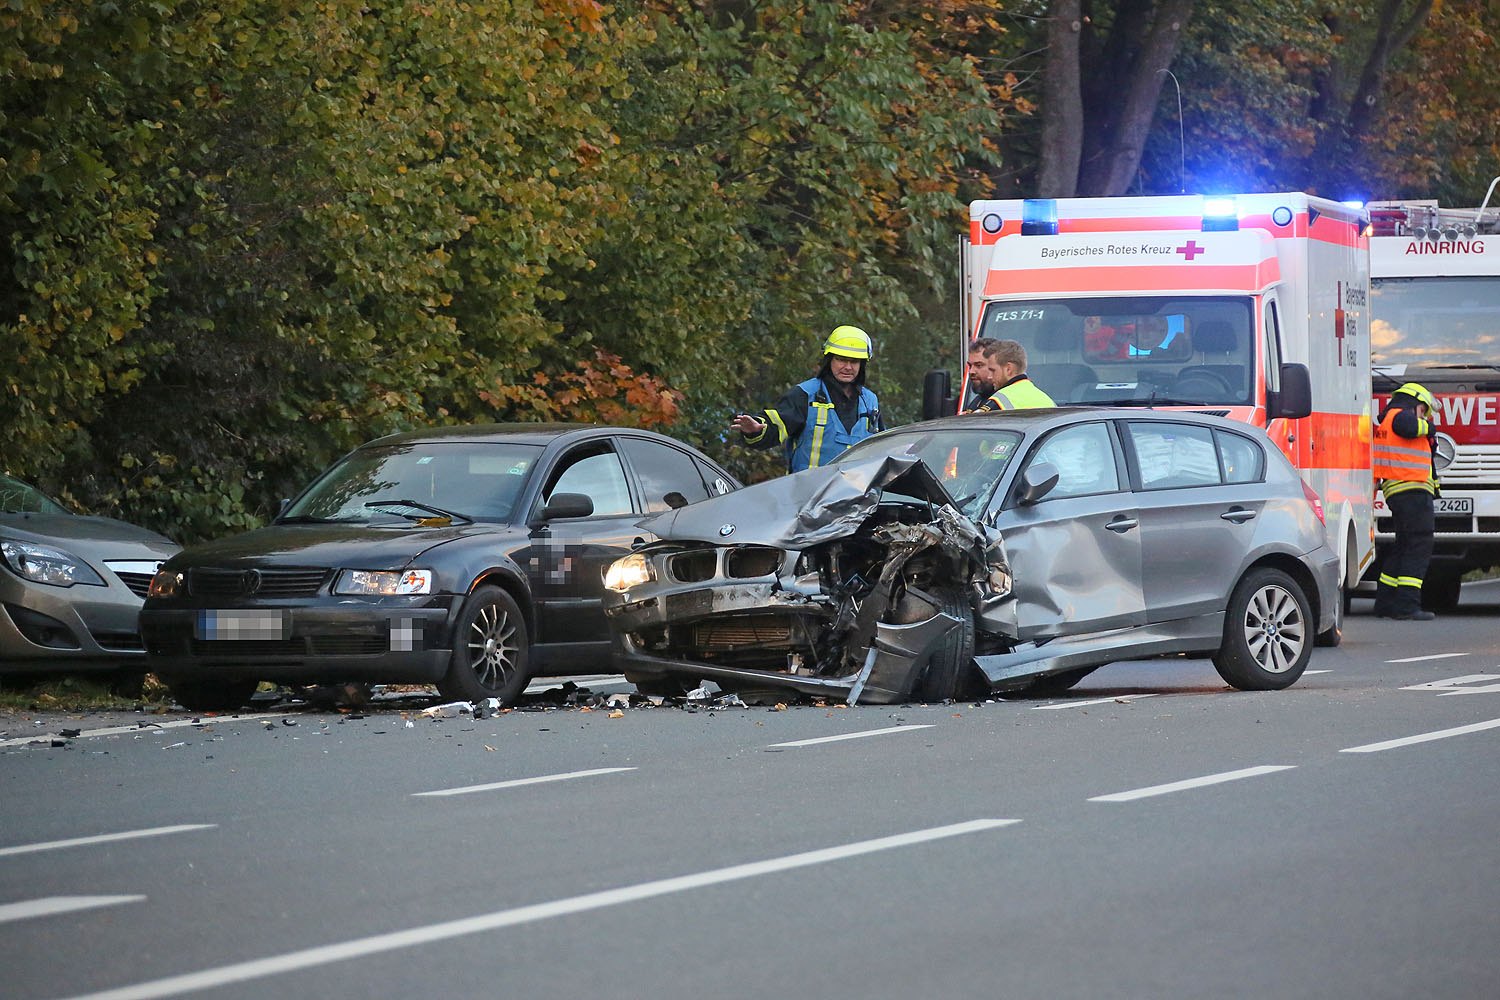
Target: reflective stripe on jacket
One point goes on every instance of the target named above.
(824, 436)
(1022, 394)
(1401, 463)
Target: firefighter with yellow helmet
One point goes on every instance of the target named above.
(1403, 464)
(816, 420)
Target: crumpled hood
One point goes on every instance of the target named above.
(803, 509)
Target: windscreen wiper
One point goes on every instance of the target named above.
(415, 505)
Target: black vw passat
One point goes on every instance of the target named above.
(469, 557)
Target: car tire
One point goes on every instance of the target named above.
(212, 696)
(1334, 634)
(1441, 589)
(948, 667)
(1268, 635)
(491, 650)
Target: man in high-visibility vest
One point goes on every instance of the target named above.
(1403, 463)
(816, 420)
(1016, 391)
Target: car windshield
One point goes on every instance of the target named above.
(472, 479)
(969, 461)
(1435, 321)
(17, 497)
(1194, 350)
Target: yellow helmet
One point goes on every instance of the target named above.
(849, 342)
(1420, 394)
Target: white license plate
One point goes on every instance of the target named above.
(1453, 505)
(242, 626)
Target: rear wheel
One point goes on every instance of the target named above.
(491, 650)
(212, 696)
(949, 665)
(1267, 632)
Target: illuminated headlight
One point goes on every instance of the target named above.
(166, 583)
(631, 571)
(385, 582)
(43, 564)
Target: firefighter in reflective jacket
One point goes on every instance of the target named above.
(1016, 391)
(1403, 463)
(817, 419)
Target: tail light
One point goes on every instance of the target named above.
(1315, 500)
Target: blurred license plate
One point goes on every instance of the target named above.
(1453, 505)
(241, 625)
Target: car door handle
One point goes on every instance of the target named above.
(1122, 523)
(1238, 515)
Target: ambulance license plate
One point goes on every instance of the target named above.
(1453, 505)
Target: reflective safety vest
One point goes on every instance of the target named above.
(824, 436)
(1401, 463)
(1022, 394)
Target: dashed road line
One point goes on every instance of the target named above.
(851, 736)
(51, 905)
(141, 730)
(518, 782)
(1441, 734)
(1182, 786)
(1124, 699)
(1433, 656)
(327, 954)
(104, 838)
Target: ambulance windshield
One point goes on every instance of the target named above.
(1195, 351)
(1435, 321)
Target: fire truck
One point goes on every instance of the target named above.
(1435, 319)
(1254, 307)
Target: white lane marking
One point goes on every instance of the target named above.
(104, 838)
(327, 954)
(1490, 684)
(1434, 656)
(140, 730)
(1123, 699)
(518, 782)
(1305, 673)
(1407, 741)
(1181, 786)
(49, 905)
(851, 736)
(547, 684)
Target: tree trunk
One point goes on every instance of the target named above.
(1062, 103)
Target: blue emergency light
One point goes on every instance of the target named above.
(1220, 215)
(1039, 217)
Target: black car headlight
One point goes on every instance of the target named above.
(44, 564)
(166, 583)
(629, 571)
(384, 582)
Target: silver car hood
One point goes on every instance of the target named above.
(802, 509)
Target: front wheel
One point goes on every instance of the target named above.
(1267, 632)
(945, 677)
(491, 650)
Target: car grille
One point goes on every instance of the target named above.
(752, 560)
(741, 562)
(695, 566)
(206, 581)
(119, 640)
(713, 636)
(138, 583)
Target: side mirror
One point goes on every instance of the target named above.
(1037, 482)
(1294, 400)
(281, 508)
(936, 398)
(564, 505)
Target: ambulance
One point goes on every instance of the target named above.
(1435, 319)
(1253, 307)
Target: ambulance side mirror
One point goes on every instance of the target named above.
(1294, 400)
(936, 401)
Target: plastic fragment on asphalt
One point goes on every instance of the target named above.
(487, 708)
(410, 724)
(172, 746)
(450, 710)
(617, 714)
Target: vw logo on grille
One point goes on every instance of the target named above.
(252, 581)
(726, 529)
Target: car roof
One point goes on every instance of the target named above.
(519, 433)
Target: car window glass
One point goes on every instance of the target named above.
(1084, 458)
(474, 478)
(662, 470)
(596, 474)
(1241, 458)
(718, 483)
(1174, 455)
(17, 497)
(1273, 349)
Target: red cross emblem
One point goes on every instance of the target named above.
(1191, 250)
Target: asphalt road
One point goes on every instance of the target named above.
(1151, 834)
